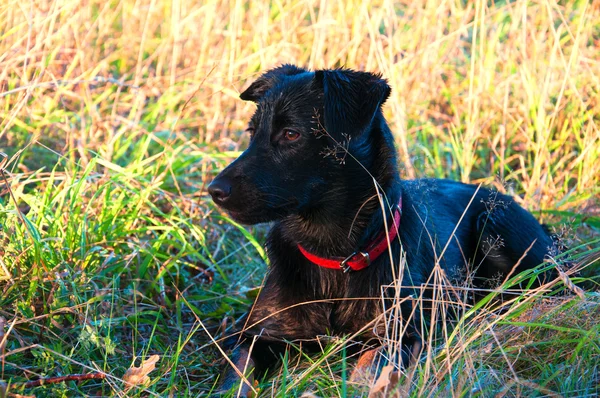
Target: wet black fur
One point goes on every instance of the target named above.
(323, 198)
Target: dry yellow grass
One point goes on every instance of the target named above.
(515, 82)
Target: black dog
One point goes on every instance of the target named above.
(320, 162)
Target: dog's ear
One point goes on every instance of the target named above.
(351, 99)
(268, 79)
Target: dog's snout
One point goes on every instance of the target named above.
(220, 190)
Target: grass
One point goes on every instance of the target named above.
(114, 115)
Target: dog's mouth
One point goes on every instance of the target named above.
(251, 216)
(247, 218)
(235, 215)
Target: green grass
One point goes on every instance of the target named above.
(115, 115)
(106, 255)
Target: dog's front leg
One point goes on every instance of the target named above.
(239, 371)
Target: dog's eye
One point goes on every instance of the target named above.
(250, 131)
(291, 135)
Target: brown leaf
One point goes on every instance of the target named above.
(136, 376)
(364, 366)
(387, 380)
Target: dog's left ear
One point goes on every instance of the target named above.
(267, 80)
(351, 99)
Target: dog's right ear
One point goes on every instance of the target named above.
(264, 83)
(351, 98)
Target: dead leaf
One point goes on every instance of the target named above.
(136, 376)
(387, 380)
(364, 366)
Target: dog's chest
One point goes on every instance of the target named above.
(352, 315)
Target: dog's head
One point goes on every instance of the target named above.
(306, 125)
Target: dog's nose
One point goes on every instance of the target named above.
(220, 190)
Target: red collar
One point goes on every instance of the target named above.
(360, 259)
